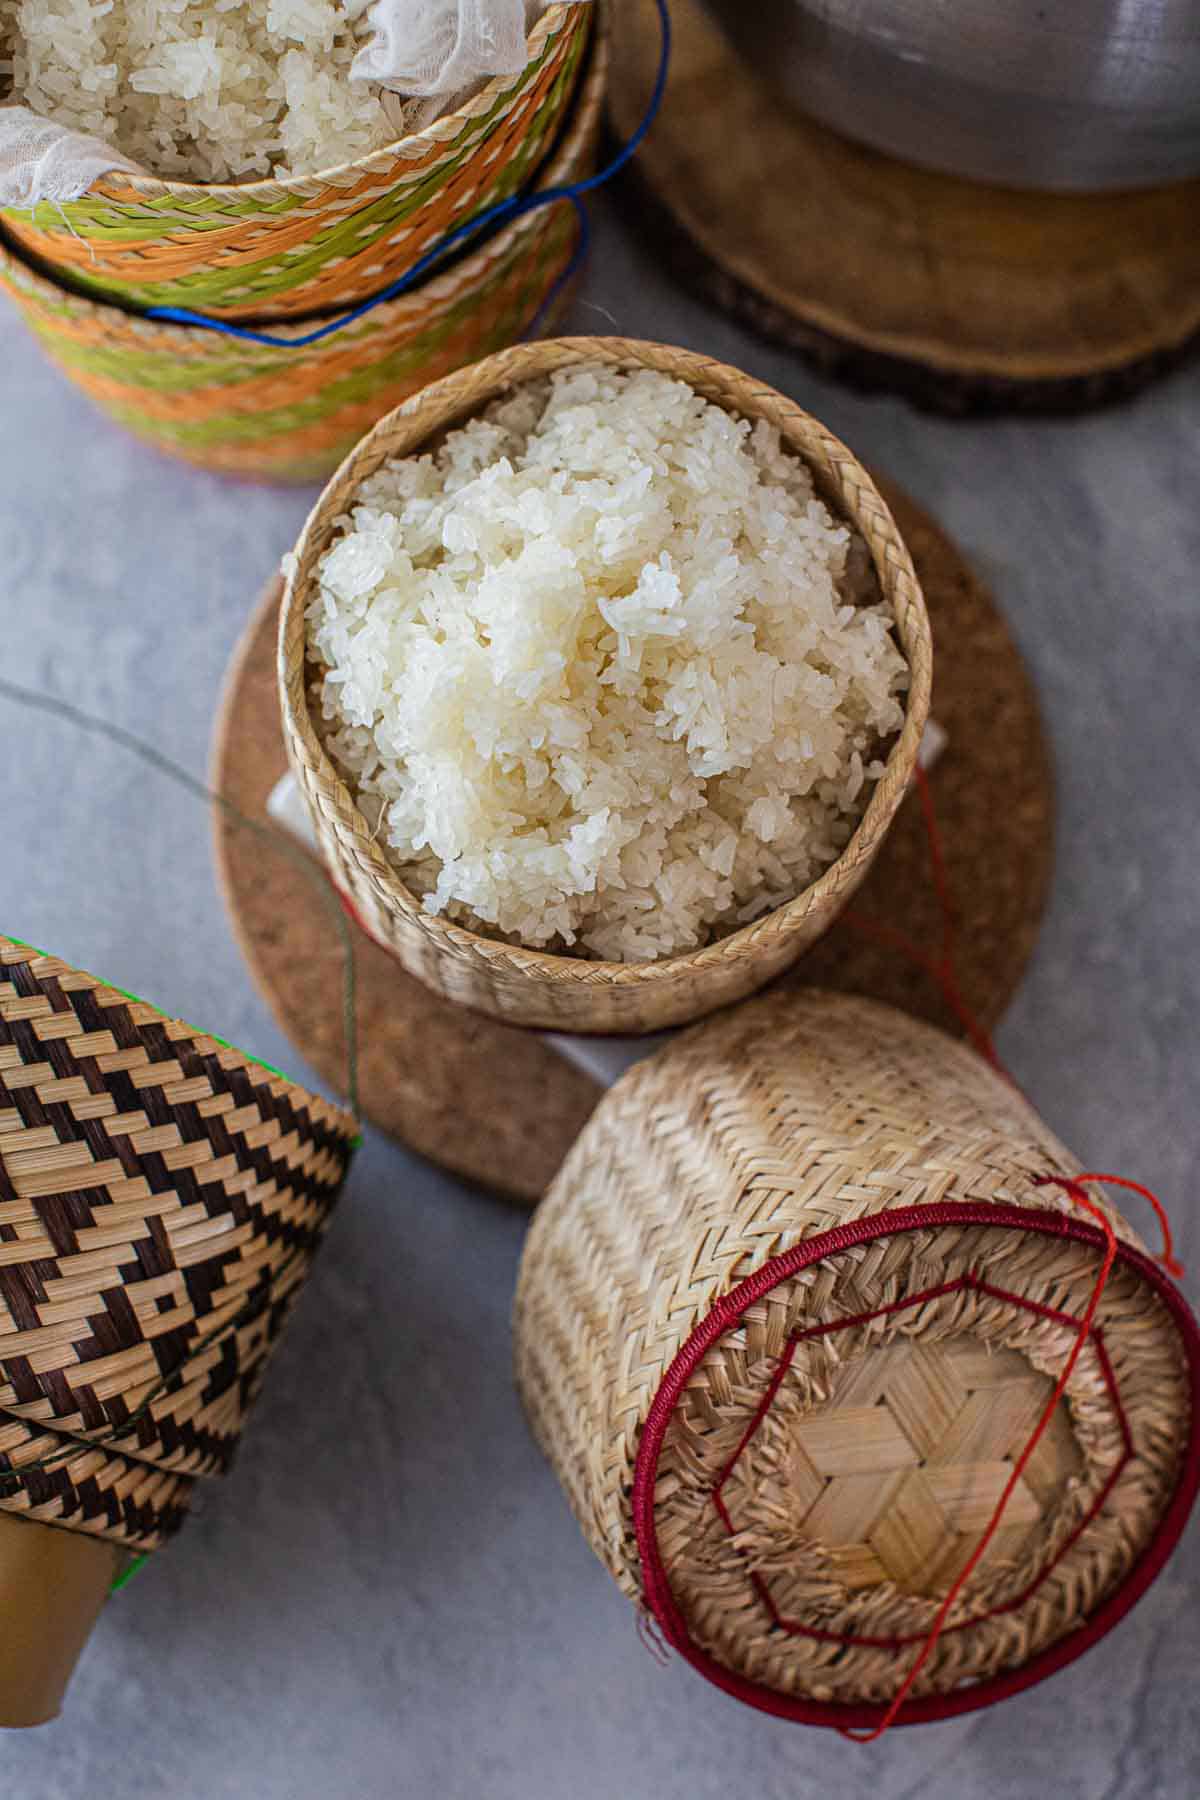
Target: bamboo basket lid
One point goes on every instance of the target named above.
(161, 1199)
(498, 1105)
(507, 981)
(785, 1320)
(960, 296)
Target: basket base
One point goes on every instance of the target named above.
(963, 297)
(497, 1105)
(52, 1586)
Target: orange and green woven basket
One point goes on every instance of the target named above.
(291, 414)
(293, 246)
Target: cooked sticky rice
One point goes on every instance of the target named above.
(199, 90)
(602, 670)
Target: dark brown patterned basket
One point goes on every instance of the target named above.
(161, 1199)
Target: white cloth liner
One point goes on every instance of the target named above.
(605, 1059)
(437, 52)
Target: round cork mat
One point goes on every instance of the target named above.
(496, 1104)
(963, 297)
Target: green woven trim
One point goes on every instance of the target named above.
(99, 219)
(403, 365)
(235, 364)
(344, 240)
(149, 371)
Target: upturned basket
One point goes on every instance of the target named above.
(161, 1199)
(292, 246)
(291, 414)
(787, 1316)
(528, 987)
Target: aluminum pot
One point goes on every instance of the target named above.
(1059, 94)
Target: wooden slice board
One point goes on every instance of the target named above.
(963, 297)
(498, 1105)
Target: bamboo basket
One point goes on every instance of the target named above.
(786, 1318)
(293, 246)
(287, 414)
(527, 987)
(161, 1199)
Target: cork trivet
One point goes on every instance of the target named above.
(963, 297)
(497, 1105)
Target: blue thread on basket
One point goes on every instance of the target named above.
(503, 213)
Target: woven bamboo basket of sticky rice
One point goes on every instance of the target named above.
(292, 246)
(162, 1197)
(786, 1318)
(528, 987)
(291, 413)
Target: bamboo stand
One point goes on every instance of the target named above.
(46, 1575)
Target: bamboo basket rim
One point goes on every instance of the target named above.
(407, 148)
(725, 1316)
(524, 362)
(457, 272)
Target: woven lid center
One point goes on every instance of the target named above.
(898, 1473)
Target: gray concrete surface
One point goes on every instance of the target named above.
(389, 1598)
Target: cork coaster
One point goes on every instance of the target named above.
(497, 1105)
(963, 297)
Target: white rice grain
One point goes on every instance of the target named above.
(200, 90)
(601, 670)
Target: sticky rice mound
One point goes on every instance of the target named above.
(602, 671)
(194, 90)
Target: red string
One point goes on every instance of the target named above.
(1168, 1259)
(847, 1322)
(945, 973)
(941, 969)
(650, 1636)
(1073, 1187)
(1077, 1194)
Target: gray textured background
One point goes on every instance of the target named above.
(389, 1596)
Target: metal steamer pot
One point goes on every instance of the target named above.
(1056, 94)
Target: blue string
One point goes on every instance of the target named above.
(503, 213)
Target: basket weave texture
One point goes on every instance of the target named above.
(161, 1199)
(283, 414)
(818, 1460)
(527, 987)
(291, 246)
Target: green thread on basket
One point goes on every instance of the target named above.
(128, 1572)
(211, 289)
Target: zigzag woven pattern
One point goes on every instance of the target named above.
(566, 993)
(298, 245)
(161, 1198)
(831, 1460)
(897, 1473)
